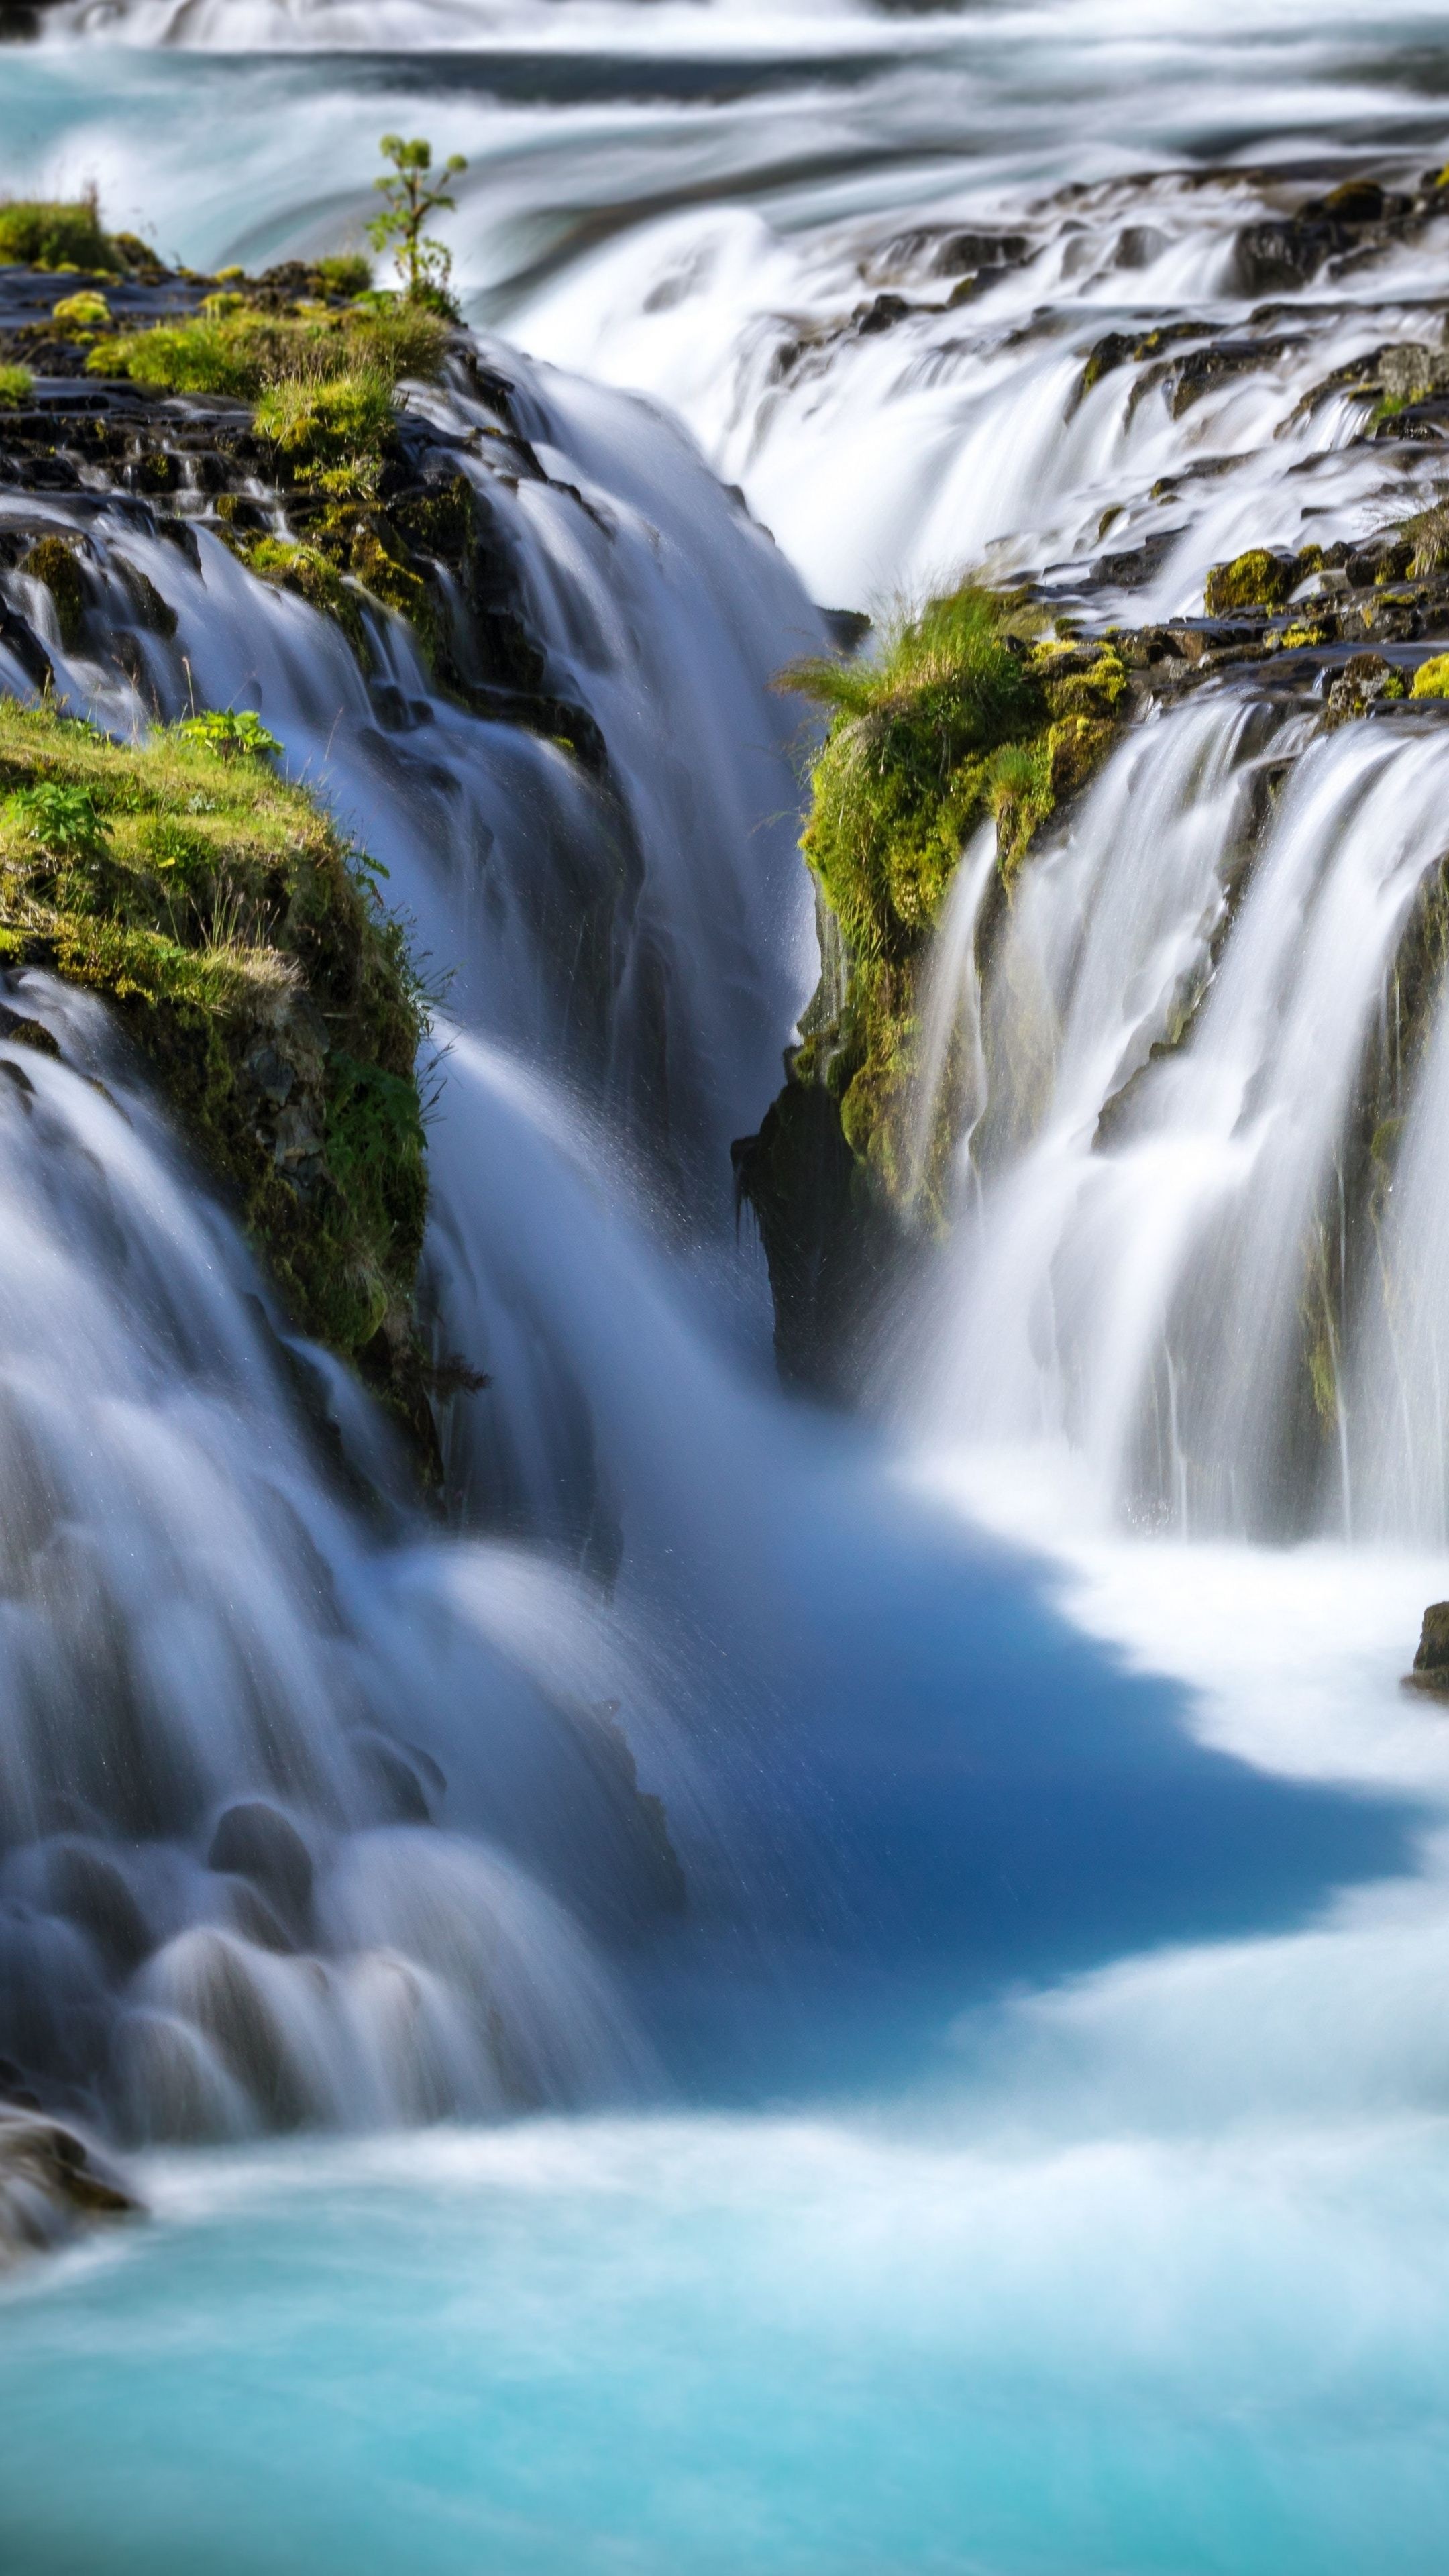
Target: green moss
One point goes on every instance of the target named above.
(349, 416)
(17, 384)
(243, 946)
(35, 234)
(958, 717)
(84, 312)
(1431, 680)
(349, 273)
(249, 353)
(53, 561)
(312, 576)
(1257, 580)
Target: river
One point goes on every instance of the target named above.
(1026, 2154)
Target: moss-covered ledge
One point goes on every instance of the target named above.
(243, 946)
(972, 708)
(964, 712)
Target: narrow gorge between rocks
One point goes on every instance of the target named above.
(724, 1291)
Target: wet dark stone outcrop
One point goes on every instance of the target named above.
(1431, 1664)
(831, 1244)
(1334, 232)
(54, 2182)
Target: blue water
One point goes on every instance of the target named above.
(748, 2345)
(1077, 2269)
(1050, 2177)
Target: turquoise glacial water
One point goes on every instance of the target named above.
(726, 2345)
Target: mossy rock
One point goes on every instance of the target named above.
(52, 560)
(1258, 582)
(325, 373)
(961, 716)
(244, 948)
(1431, 680)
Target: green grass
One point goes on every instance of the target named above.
(957, 716)
(346, 417)
(232, 928)
(36, 234)
(17, 384)
(250, 354)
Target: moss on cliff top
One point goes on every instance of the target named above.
(244, 948)
(958, 716)
(248, 351)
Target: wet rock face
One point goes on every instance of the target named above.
(1333, 232)
(54, 2183)
(1431, 1663)
(255, 1841)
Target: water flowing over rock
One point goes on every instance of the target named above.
(307, 1815)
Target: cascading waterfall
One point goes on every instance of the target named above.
(306, 1819)
(1192, 1247)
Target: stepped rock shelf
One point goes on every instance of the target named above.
(994, 706)
(244, 943)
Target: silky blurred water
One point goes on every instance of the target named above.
(1046, 2169)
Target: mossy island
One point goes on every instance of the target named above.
(243, 946)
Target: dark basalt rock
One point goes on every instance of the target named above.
(53, 2182)
(1357, 218)
(831, 1244)
(254, 1840)
(1431, 1663)
(17, 1030)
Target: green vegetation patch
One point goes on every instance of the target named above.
(1431, 680)
(36, 234)
(245, 949)
(249, 352)
(17, 384)
(52, 560)
(1258, 582)
(84, 312)
(959, 716)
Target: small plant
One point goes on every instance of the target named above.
(84, 312)
(232, 733)
(17, 384)
(424, 264)
(60, 820)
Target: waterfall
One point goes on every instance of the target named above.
(310, 1815)
(1195, 1249)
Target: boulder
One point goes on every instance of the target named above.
(1431, 1663)
(53, 2184)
